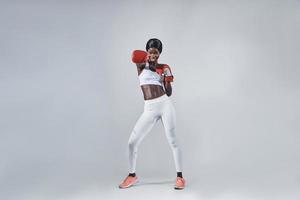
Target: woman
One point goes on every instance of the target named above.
(155, 81)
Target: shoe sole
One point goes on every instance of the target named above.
(130, 184)
(178, 188)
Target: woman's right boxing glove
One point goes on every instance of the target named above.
(139, 56)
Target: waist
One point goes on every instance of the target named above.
(162, 98)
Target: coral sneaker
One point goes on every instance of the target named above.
(128, 181)
(180, 183)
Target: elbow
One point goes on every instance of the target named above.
(168, 93)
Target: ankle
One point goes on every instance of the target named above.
(179, 174)
(132, 174)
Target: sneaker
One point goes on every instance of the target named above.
(128, 181)
(180, 183)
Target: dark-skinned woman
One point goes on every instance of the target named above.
(155, 81)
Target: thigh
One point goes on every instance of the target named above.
(143, 126)
(169, 117)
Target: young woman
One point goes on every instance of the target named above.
(155, 81)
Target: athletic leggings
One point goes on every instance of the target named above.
(160, 108)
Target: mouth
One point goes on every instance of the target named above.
(153, 58)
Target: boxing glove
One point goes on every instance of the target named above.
(165, 71)
(168, 73)
(139, 56)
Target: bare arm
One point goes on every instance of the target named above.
(168, 88)
(140, 67)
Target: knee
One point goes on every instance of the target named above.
(132, 145)
(173, 143)
(171, 137)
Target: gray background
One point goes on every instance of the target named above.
(70, 98)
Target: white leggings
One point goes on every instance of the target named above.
(154, 110)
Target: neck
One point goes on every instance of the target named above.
(152, 65)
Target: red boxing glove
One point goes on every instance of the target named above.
(139, 56)
(167, 73)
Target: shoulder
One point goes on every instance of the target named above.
(164, 66)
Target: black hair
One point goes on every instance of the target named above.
(154, 43)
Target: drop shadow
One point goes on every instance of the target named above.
(143, 183)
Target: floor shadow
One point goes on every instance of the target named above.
(141, 183)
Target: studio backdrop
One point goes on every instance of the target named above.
(70, 96)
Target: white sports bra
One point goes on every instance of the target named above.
(148, 77)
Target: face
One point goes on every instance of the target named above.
(153, 54)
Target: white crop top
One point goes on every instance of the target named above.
(148, 77)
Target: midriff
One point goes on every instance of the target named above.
(152, 91)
